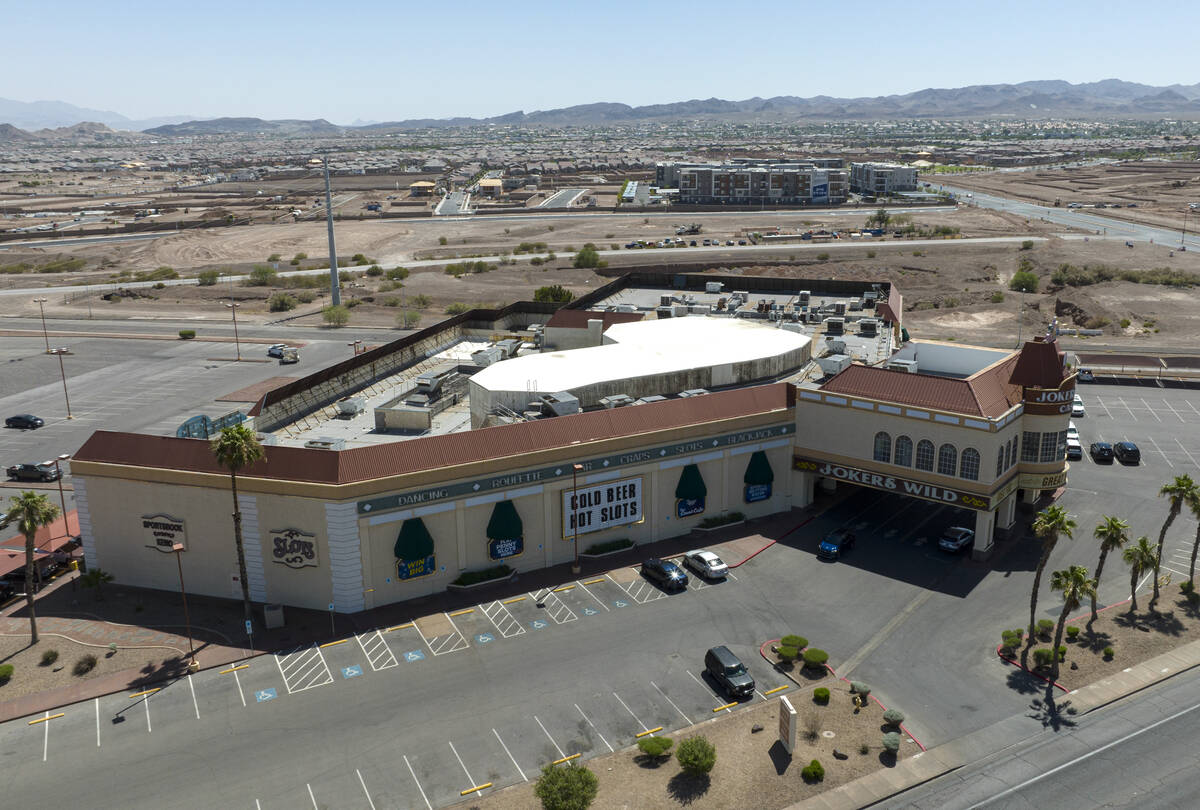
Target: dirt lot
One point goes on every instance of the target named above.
(31, 675)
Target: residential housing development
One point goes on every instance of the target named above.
(882, 178)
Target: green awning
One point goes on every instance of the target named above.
(414, 542)
(505, 523)
(759, 471)
(691, 484)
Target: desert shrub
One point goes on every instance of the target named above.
(997, 297)
(1027, 244)
(530, 247)
(420, 301)
(374, 271)
(813, 772)
(61, 266)
(860, 688)
(281, 302)
(792, 640)
(299, 257)
(1108, 652)
(49, 657)
(814, 658)
(1072, 633)
(335, 315)
(1097, 322)
(397, 273)
(555, 293)
(893, 717)
(262, 275)
(1044, 626)
(6, 672)
(864, 749)
(85, 665)
(360, 259)
(696, 755)
(655, 746)
(441, 240)
(160, 286)
(408, 319)
(821, 695)
(536, 261)
(306, 296)
(788, 654)
(345, 276)
(891, 742)
(587, 256)
(1125, 322)
(392, 301)
(1042, 657)
(1023, 280)
(457, 308)
(566, 787)
(918, 253)
(187, 334)
(822, 256)
(158, 274)
(353, 302)
(870, 254)
(274, 257)
(463, 268)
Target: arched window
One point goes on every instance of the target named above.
(968, 466)
(947, 459)
(904, 450)
(883, 446)
(925, 455)
(1000, 460)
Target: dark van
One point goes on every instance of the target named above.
(728, 670)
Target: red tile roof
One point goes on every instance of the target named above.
(432, 452)
(578, 318)
(1040, 364)
(988, 393)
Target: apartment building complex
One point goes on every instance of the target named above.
(882, 178)
(821, 181)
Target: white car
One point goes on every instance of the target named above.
(1077, 407)
(276, 350)
(956, 538)
(1074, 449)
(706, 564)
(1072, 431)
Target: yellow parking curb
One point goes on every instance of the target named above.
(143, 694)
(650, 731)
(333, 643)
(564, 588)
(462, 612)
(565, 759)
(776, 689)
(44, 719)
(510, 601)
(472, 790)
(234, 669)
(594, 581)
(726, 706)
(399, 627)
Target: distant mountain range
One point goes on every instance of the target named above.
(1111, 98)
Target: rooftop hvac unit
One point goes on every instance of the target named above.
(680, 310)
(793, 327)
(868, 327)
(835, 326)
(417, 400)
(903, 365)
(558, 404)
(742, 294)
(856, 305)
(804, 296)
(664, 312)
(509, 346)
(869, 297)
(325, 443)
(665, 300)
(839, 308)
(430, 384)
(624, 308)
(713, 286)
(833, 364)
(651, 398)
(616, 401)
(699, 309)
(693, 392)
(351, 406)
(835, 346)
(485, 357)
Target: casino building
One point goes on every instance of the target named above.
(385, 516)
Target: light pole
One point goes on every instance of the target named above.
(575, 514)
(63, 371)
(187, 618)
(41, 307)
(354, 346)
(236, 342)
(334, 290)
(62, 498)
(1021, 321)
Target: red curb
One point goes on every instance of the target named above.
(1018, 665)
(799, 525)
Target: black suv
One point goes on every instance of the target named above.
(1101, 451)
(1127, 452)
(835, 544)
(24, 421)
(666, 573)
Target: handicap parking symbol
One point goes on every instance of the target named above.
(590, 611)
(484, 638)
(619, 603)
(538, 624)
(352, 672)
(263, 695)
(414, 655)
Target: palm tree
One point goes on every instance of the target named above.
(1140, 557)
(1180, 491)
(1075, 585)
(237, 448)
(1049, 525)
(1194, 504)
(30, 511)
(1113, 533)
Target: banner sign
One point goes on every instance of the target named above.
(162, 532)
(414, 569)
(1047, 402)
(504, 549)
(757, 492)
(601, 506)
(685, 507)
(293, 548)
(787, 724)
(889, 483)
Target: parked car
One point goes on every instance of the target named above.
(276, 350)
(692, 243)
(1127, 453)
(1072, 431)
(1101, 451)
(729, 672)
(956, 538)
(1085, 375)
(706, 564)
(665, 573)
(1074, 449)
(24, 421)
(34, 472)
(1077, 408)
(741, 241)
(835, 544)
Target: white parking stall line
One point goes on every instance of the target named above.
(97, 702)
(366, 792)
(1193, 407)
(1177, 415)
(1191, 458)
(1126, 407)
(311, 796)
(146, 702)
(686, 719)
(631, 714)
(1159, 449)
(642, 591)
(709, 691)
(558, 610)
(1173, 570)
(470, 782)
(1152, 412)
(510, 756)
(597, 598)
(428, 806)
(557, 748)
(448, 643)
(303, 669)
(375, 648)
(195, 705)
(241, 694)
(1107, 412)
(593, 727)
(500, 616)
(46, 737)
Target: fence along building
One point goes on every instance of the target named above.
(764, 183)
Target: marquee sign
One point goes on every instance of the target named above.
(293, 548)
(1043, 481)
(162, 532)
(1048, 402)
(889, 483)
(602, 506)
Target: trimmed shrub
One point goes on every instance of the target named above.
(696, 755)
(821, 695)
(1062, 653)
(788, 654)
(6, 672)
(85, 665)
(566, 787)
(799, 642)
(187, 334)
(1108, 652)
(655, 746)
(1072, 633)
(859, 688)
(893, 717)
(610, 545)
(721, 520)
(1042, 657)
(813, 772)
(1009, 640)
(1044, 627)
(814, 658)
(891, 742)
(49, 657)
(474, 577)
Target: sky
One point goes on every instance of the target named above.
(399, 59)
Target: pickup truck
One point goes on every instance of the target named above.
(34, 472)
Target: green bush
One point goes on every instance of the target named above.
(870, 254)
(721, 520)
(997, 297)
(566, 787)
(1042, 657)
(814, 658)
(891, 742)
(408, 319)
(587, 257)
(61, 266)
(457, 308)
(441, 240)
(85, 665)
(49, 657)
(463, 268)
(306, 296)
(790, 640)
(475, 577)
(374, 270)
(1023, 280)
(610, 545)
(345, 276)
(696, 755)
(860, 688)
(159, 274)
(353, 302)
(788, 654)
(893, 717)
(536, 261)
(1027, 244)
(360, 259)
(262, 275)
(281, 302)
(1045, 627)
(1108, 652)
(397, 273)
(6, 672)
(274, 257)
(299, 257)
(420, 301)
(187, 334)
(1072, 633)
(1009, 640)
(821, 695)
(655, 746)
(813, 772)
(335, 315)
(1125, 322)
(1062, 653)
(822, 257)
(555, 294)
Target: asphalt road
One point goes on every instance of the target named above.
(453, 203)
(563, 198)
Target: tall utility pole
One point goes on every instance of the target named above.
(335, 293)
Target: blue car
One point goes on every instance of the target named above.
(835, 544)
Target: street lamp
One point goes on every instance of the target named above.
(234, 308)
(63, 371)
(61, 497)
(41, 307)
(575, 514)
(192, 665)
(354, 346)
